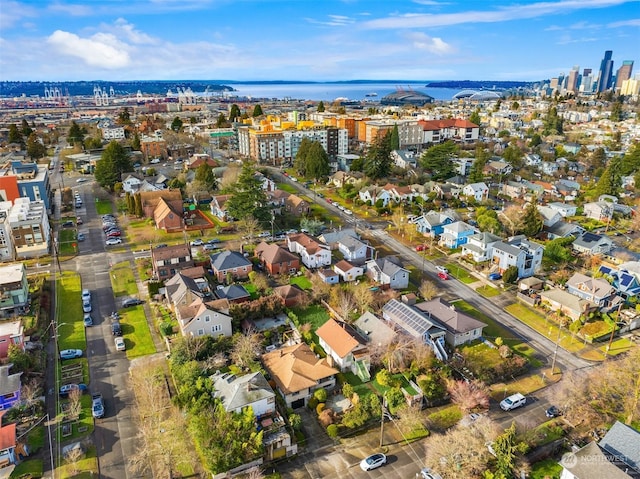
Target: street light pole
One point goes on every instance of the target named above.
(555, 352)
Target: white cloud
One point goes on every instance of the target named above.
(634, 22)
(430, 3)
(124, 29)
(13, 12)
(419, 20)
(74, 10)
(101, 50)
(334, 21)
(435, 45)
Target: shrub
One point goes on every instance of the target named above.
(384, 378)
(166, 328)
(319, 408)
(312, 404)
(320, 394)
(332, 430)
(296, 421)
(347, 390)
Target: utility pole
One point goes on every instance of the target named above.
(555, 352)
(613, 330)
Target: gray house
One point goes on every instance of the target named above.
(387, 273)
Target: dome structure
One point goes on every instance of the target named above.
(406, 97)
(483, 95)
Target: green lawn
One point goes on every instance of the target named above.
(619, 346)
(104, 207)
(71, 334)
(546, 327)
(123, 280)
(547, 469)
(66, 242)
(488, 291)
(460, 273)
(135, 330)
(31, 468)
(301, 281)
(88, 466)
(287, 187)
(445, 418)
(481, 356)
(495, 330)
(316, 314)
(251, 289)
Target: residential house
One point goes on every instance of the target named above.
(374, 194)
(199, 159)
(11, 334)
(432, 223)
(550, 216)
(497, 167)
(234, 293)
(598, 210)
(312, 253)
(333, 237)
(329, 276)
(11, 449)
(377, 331)
(616, 456)
(446, 191)
(218, 207)
(7, 251)
(30, 229)
(480, 246)
(404, 158)
(131, 184)
(230, 264)
(593, 244)
(399, 193)
(565, 209)
(457, 129)
(239, 392)
(456, 234)
(563, 229)
(168, 261)
(291, 294)
(203, 318)
(14, 289)
(565, 302)
(298, 372)
(341, 178)
(520, 252)
(626, 282)
(355, 250)
(531, 159)
(346, 349)
(182, 290)
(595, 290)
(9, 387)
(549, 167)
(460, 327)
(296, 205)
(416, 324)
(547, 188)
(151, 199)
(387, 273)
(168, 216)
(347, 271)
(477, 191)
(276, 259)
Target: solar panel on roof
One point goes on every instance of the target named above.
(605, 270)
(625, 279)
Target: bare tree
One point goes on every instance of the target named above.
(255, 473)
(513, 219)
(363, 296)
(29, 393)
(246, 348)
(72, 458)
(397, 353)
(428, 290)
(75, 404)
(410, 418)
(229, 177)
(468, 395)
(319, 288)
(421, 355)
(345, 303)
(260, 281)
(249, 226)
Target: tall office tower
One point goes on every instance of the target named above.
(572, 79)
(586, 85)
(624, 73)
(554, 84)
(605, 73)
(586, 72)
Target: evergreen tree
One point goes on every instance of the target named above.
(15, 135)
(611, 180)
(128, 200)
(616, 112)
(506, 449)
(234, 113)
(35, 148)
(475, 117)
(92, 143)
(317, 161)
(124, 118)
(553, 124)
(395, 138)
(204, 174)
(513, 155)
(176, 124)
(76, 134)
(532, 221)
(115, 161)
(247, 197)
(300, 163)
(26, 129)
(257, 111)
(476, 172)
(377, 161)
(357, 164)
(221, 122)
(320, 106)
(437, 160)
(631, 161)
(135, 142)
(137, 200)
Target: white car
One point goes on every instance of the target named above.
(155, 161)
(119, 341)
(348, 212)
(442, 269)
(373, 461)
(112, 241)
(86, 295)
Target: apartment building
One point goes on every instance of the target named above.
(30, 228)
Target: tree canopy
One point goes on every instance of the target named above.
(115, 161)
(205, 175)
(532, 221)
(312, 160)
(320, 106)
(377, 161)
(437, 160)
(234, 113)
(611, 180)
(176, 124)
(395, 138)
(248, 198)
(76, 134)
(35, 148)
(257, 111)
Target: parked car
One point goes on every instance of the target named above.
(97, 405)
(81, 237)
(213, 241)
(86, 295)
(67, 388)
(373, 461)
(442, 269)
(79, 221)
(86, 306)
(553, 411)
(116, 328)
(70, 353)
(81, 180)
(155, 161)
(113, 233)
(512, 402)
(112, 241)
(68, 224)
(426, 473)
(197, 242)
(87, 320)
(443, 276)
(127, 303)
(495, 276)
(119, 341)
(210, 247)
(420, 247)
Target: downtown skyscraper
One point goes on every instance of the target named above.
(605, 73)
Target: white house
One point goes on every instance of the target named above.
(387, 273)
(478, 191)
(372, 194)
(565, 209)
(520, 252)
(404, 158)
(237, 393)
(313, 254)
(131, 184)
(599, 210)
(550, 216)
(354, 250)
(480, 246)
(348, 271)
(199, 318)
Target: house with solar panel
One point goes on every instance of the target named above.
(418, 325)
(625, 282)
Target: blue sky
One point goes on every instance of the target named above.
(322, 40)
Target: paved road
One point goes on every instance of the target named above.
(114, 435)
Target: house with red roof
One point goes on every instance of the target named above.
(457, 129)
(276, 259)
(346, 349)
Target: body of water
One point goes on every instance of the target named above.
(330, 91)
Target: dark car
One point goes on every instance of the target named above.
(553, 411)
(67, 388)
(213, 241)
(127, 303)
(495, 276)
(68, 224)
(116, 328)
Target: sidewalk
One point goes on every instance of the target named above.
(143, 293)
